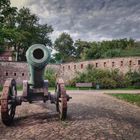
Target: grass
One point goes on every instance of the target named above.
(93, 88)
(81, 88)
(51, 88)
(126, 88)
(1, 88)
(73, 88)
(130, 52)
(19, 88)
(132, 98)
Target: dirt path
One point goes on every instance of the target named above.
(91, 116)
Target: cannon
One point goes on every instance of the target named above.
(36, 89)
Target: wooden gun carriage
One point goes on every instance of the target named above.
(36, 89)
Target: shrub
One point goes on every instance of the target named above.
(111, 53)
(1, 87)
(108, 83)
(134, 78)
(50, 75)
(105, 78)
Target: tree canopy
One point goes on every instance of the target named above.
(20, 29)
(64, 45)
(85, 50)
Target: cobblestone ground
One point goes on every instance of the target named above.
(91, 116)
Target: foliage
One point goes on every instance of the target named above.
(1, 87)
(135, 78)
(111, 53)
(58, 57)
(94, 50)
(6, 19)
(132, 98)
(105, 78)
(20, 29)
(50, 75)
(107, 49)
(1, 49)
(79, 48)
(64, 45)
(135, 51)
(32, 31)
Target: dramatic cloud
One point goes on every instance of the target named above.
(89, 19)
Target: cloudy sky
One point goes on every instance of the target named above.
(88, 19)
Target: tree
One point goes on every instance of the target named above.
(20, 29)
(131, 43)
(58, 57)
(31, 32)
(106, 49)
(80, 46)
(64, 45)
(4, 5)
(7, 22)
(94, 52)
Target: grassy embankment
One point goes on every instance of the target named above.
(132, 98)
(130, 52)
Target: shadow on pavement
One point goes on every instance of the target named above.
(76, 112)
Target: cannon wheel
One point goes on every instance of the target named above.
(61, 99)
(8, 104)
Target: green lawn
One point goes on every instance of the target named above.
(132, 98)
(93, 88)
(74, 88)
(0, 88)
(81, 88)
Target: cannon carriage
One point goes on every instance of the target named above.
(36, 89)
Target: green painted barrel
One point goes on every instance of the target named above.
(38, 57)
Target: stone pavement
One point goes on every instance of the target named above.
(91, 116)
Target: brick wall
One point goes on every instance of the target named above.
(18, 71)
(67, 71)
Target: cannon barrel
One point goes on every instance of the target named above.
(38, 57)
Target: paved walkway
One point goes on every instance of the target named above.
(90, 117)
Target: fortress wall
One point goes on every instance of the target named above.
(14, 70)
(19, 70)
(68, 70)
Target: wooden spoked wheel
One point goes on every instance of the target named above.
(8, 101)
(61, 100)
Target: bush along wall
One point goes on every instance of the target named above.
(134, 78)
(50, 75)
(107, 79)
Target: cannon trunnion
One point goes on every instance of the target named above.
(36, 89)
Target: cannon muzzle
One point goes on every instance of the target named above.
(38, 57)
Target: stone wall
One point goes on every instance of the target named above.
(14, 70)
(67, 71)
(18, 71)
